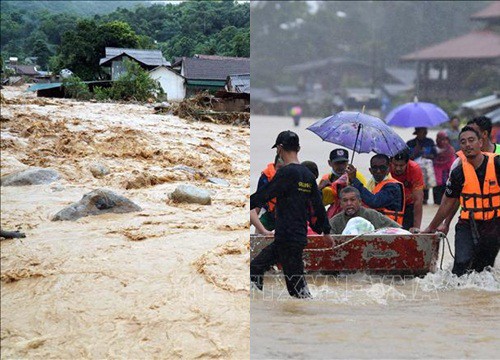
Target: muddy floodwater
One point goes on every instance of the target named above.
(361, 316)
(170, 281)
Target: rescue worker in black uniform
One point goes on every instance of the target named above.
(297, 202)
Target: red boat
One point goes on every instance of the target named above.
(415, 254)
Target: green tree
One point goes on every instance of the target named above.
(134, 84)
(82, 48)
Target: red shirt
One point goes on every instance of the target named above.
(412, 179)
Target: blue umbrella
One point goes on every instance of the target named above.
(359, 132)
(416, 114)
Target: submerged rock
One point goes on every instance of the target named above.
(32, 176)
(95, 203)
(98, 170)
(218, 181)
(11, 234)
(191, 194)
(188, 169)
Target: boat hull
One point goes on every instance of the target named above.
(381, 254)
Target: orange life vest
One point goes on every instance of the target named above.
(269, 172)
(395, 215)
(481, 204)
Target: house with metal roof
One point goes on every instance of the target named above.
(148, 59)
(238, 83)
(210, 72)
(445, 69)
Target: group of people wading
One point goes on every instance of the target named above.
(295, 204)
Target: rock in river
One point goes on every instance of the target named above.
(32, 176)
(95, 203)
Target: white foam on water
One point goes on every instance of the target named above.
(379, 294)
(444, 280)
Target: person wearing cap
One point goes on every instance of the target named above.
(442, 164)
(382, 193)
(408, 173)
(331, 183)
(297, 201)
(422, 147)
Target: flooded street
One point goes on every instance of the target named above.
(360, 316)
(140, 285)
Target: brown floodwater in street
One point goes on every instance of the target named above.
(170, 281)
(362, 316)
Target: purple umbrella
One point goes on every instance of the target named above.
(359, 132)
(416, 114)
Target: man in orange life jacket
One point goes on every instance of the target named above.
(482, 125)
(265, 223)
(383, 193)
(410, 175)
(474, 184)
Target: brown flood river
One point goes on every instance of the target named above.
(360, 316)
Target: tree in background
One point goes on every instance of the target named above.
(134, 84)
(78, 42)
(82, 48)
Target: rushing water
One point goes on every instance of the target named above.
(362, 316)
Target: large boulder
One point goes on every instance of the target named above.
(191, 194)
(32, 176)
(95, 203)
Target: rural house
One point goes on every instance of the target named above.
(148, 59)
(447, 70)
(172, 83)
(209, 72)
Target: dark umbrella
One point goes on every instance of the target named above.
(416, 114)
(359, 132)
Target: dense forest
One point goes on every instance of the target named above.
(379, 32)
(68, 38)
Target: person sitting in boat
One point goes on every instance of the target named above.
(383, 193)
(265, 223)
(331, 183)
(410, 175)
(475, 185)
(350, 201)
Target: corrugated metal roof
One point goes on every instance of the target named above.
(45, 86)
(482, 103)
(482, 44)
(215, 83)
(147, 57)
(490, 12)
(328, 63)
(240, 83)
(214, 69)
(37, 87)
(494, 116)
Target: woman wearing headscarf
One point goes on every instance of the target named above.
(442, 163)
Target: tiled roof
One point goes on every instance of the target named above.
(214, 69)
(147, 57)
(25, 70)
(482, 44)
